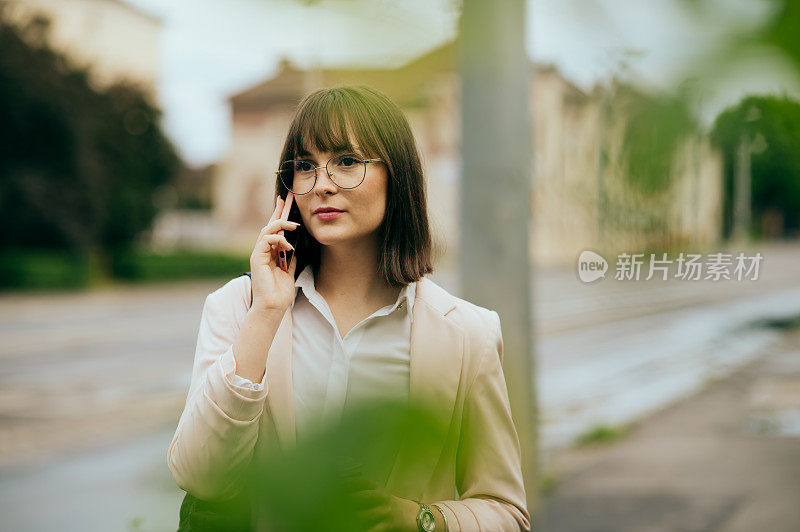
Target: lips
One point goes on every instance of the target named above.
(327, 209)
(328, 215)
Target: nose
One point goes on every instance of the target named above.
(324, 183)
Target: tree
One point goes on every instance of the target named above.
(771, 126)
(78, 166)
(655, 127)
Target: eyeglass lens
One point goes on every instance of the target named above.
(346, 170)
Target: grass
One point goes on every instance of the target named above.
(135, 523)
(547, 484)
(601, 434)
(782, 323)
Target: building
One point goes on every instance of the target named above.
(579, 199)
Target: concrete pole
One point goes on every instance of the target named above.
(741, 191)
(495, 211)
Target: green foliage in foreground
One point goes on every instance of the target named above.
(307, 487)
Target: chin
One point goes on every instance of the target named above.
(330, 236)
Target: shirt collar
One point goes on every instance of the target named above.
(305, 282)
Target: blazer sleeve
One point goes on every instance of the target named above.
(488, 464)
(218, 428)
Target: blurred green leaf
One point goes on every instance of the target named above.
(303, 488)
(782, 30)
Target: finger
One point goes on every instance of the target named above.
(266, 251)
(269, 228)
(374, 513)
(368, 499)
(377, 519)
(363, 493)
(278, 208)
(381, 526)
(279, 241)
(276, 212)
(278, 225)
(275, 250)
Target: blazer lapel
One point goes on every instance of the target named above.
(437, 346)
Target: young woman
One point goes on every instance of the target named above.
(353, 317)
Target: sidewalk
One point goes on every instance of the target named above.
(725, 460)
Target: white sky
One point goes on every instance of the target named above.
(214, 48)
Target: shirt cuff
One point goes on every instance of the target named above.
(239, 383)
(458, 516)
(238, 380)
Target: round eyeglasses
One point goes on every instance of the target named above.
(346, 170)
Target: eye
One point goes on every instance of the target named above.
(302, 166)
(348, 161)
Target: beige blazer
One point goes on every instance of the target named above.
(473, 470)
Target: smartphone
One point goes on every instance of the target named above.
(289, 211)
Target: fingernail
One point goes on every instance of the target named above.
(294, 223)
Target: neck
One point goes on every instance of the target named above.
(348, 272)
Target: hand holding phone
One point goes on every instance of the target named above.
(273, 284)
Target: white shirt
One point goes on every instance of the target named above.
(328, 371)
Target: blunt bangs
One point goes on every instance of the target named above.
(329, 123)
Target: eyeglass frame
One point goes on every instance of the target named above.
(330, 175)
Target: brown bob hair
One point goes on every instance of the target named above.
(322, 120)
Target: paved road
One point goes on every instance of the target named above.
(79, 371)
(115, 487)
(724, 460)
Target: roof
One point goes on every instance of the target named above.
(136, 9)
(406, 84)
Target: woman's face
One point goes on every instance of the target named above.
(363, 206)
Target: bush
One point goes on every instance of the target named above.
(44, 269)
(144, 265)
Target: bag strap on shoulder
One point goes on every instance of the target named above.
(251, 286)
